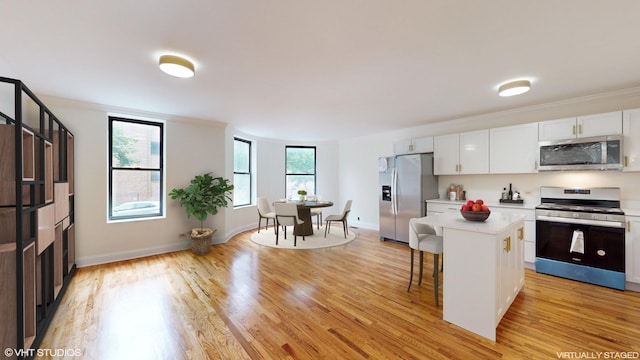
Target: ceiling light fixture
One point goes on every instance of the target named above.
(176, 66)
(514, 88)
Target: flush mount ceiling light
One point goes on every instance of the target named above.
(176, 66)
(514, 88)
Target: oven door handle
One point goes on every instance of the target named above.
(611, 224)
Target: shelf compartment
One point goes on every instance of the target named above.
(29, 290)
(70, 162)
(57, 261)
(71, 247)
(48, 171)
(46, 227)
(61, 198)
(8, 226)
(8, 166)
(8, 315)
(28, 151)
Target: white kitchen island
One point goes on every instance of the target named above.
(483, 268)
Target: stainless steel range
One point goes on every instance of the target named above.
(580, 235)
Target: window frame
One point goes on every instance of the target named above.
(160, 169)
(315, 166)
(250, 173)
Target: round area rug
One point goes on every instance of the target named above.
(316, 241)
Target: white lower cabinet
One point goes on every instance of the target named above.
(632, 249)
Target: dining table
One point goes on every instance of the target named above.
(304, 213)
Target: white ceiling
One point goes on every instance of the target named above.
(320, 70)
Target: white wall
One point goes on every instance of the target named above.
(358, 157)
(192, 147)
(269, 172)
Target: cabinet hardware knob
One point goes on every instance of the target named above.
(579, 129)
(574, 130)
(628, 226)
(521, 233)
(626, 161)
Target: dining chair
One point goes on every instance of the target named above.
(339, 218)
(287, 215)
(423, 237)
(317, 212)
(264, 212)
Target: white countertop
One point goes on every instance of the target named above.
(497, 221)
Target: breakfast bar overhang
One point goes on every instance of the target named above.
(483, 270)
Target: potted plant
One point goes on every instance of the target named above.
(204, 195)
(302, 194)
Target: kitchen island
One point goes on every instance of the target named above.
(483, 270)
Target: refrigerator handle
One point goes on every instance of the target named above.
(394, 191)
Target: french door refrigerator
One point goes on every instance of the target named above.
(406, 181)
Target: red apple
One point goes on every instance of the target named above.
(470, 203)
(475, 207)
(484, 208)
(466, 208)
(480, 201)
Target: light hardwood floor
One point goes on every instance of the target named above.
(244, 301)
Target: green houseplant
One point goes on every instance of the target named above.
(302, 194)
(204, 195)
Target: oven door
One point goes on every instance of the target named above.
(604, 246)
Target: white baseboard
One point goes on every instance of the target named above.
(131, 254)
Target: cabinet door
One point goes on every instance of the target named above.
(474, 152)
(503, 279)
(513, 149)
(445, 154)
(423, 145)
(559, 129)
(632, 251)
(600, 124)
(518, 258)
(631, 131)
(403, 147)
(530, 241)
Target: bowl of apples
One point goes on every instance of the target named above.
(475, 211)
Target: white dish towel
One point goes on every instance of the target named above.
(577, 242)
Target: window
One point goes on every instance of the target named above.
(300, 165)
(241, 172)
(135, 168)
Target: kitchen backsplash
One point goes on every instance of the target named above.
(490, 187)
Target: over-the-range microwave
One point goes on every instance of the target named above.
(592, 153)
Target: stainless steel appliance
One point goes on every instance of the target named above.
(580, 235)
(592, 153)
(406, 181)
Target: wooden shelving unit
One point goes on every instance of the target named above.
(36, 216)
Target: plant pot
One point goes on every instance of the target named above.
(201, 240)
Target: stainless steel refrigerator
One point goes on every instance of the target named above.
(406, 181)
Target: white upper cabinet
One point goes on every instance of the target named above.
(559, 129)
(513, 149)
(631, 143)
(403, 147)
(413, 146)
(446, 154)
(465, 153)
(582, 126)
(600, 124)
(423, 145)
